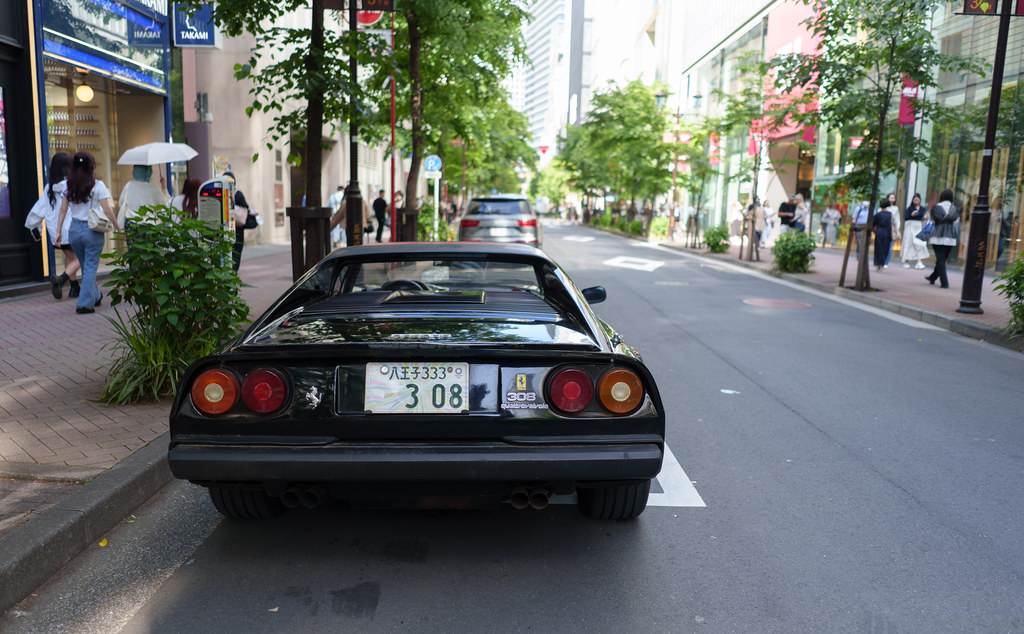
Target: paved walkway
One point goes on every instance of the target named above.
(897, 289)
(71, 468)
(54, 363)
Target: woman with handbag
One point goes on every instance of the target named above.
(84, 194)
(46, 210)
(944, 236)
(913, 247)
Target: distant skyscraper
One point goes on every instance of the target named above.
(543, 82)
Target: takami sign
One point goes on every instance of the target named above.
(195, 30)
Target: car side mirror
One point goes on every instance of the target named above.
(595, 294)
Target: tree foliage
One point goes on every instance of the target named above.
(450, 59)
(868, 47)
(620, 147)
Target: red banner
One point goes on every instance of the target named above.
(907, 101)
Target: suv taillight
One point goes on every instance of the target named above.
(532, 222)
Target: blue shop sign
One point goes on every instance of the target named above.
(196, 30)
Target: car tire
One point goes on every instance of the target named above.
(621, 502)
(245, 504)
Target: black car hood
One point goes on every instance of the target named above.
(422, 318)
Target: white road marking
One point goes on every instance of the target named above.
(579, 238)
(677, 486)
(679, 491)
(639, 264)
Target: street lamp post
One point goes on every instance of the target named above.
(353, 199)
(977, 242)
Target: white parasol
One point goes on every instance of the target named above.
(157, 153)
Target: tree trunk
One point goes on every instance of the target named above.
(416, 108)
(863, 276)
(315, 110)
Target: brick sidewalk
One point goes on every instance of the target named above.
(52, 432)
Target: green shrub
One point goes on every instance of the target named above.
(1012, 288)
(176, 275)
(793, 252)
(604, 221)
(659, 228)
(425, 226)
(622, 223)
(716, 239)
(636, 228)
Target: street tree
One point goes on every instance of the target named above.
(297, 72)
(578, 159)
(450, 57)
(867, 49)
(620, 146)
(551, 183)
(495, 148)
(760, 113)
(695, 154)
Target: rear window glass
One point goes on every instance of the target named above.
(498, 207)
(436, 275)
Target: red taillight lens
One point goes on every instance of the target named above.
(620, 391)
(264, 390)
(570, 390)
(528, 223)
(470, 223)
(215, 392)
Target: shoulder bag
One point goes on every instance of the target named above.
(98, 220)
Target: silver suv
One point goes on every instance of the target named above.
(500, 218)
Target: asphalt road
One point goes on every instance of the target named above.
(845, 470)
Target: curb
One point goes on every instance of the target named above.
(961, 327)
(58, 534)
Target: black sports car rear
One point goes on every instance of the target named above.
(405, 371)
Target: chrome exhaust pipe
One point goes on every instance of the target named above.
(519, 497)
(290, 498)
(539, 497)
(312, 497)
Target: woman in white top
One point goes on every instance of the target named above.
(84, 192)
(46, 210)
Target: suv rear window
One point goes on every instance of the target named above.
(498, 207)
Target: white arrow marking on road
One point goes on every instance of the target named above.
(579, 238)
(639, 264)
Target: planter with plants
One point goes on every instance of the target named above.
(175, 275)
(793, 252)
(1011, 286)
(716, 239)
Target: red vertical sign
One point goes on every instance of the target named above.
(907, 100)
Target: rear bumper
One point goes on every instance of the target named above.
(396, 463)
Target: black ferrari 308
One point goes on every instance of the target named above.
(417, 372)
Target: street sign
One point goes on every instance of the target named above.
(369, 18)
(432, 163)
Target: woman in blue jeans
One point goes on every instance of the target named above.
(83, 193)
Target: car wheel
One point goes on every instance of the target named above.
(245, 504)
(623, 502)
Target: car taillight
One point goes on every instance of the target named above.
(528, 223)
(264, 390)
(620, 391)
(215, 392)
(470, 223)
(570, 390)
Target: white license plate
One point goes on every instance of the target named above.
(406, 387)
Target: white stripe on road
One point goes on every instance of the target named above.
(579, 238)
(678, 490)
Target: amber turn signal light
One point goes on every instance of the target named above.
(620, 390)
